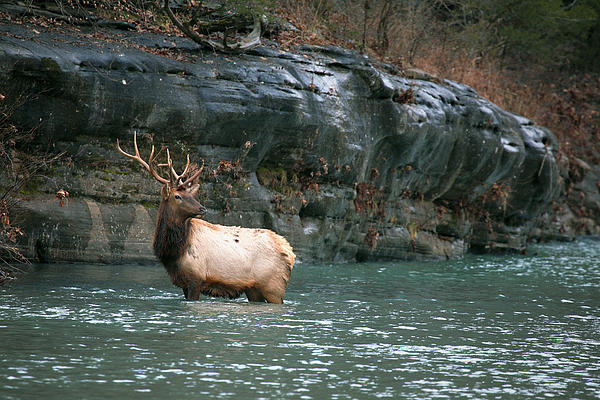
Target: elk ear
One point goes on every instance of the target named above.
(165, 192)
(193, 189)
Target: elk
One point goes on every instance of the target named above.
(211, 259)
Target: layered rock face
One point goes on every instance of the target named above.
(347, 158)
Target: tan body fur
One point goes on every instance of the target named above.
(226, 261)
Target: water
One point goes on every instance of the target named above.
(484, 327)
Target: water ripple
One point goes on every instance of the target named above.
(482, 327)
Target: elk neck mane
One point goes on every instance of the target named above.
(170, 237)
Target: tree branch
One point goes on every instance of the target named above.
(249, 42)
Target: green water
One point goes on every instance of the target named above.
(483, 327)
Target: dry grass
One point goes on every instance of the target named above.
(567, 105)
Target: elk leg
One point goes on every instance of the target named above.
(255, 295)
(273, 298)
(191, 292)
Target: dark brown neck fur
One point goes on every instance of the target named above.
(170, 237)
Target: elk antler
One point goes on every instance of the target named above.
(191, 178)
(137, 158)
(179, 179)
(174, 176)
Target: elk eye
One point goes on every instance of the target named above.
(178, 197)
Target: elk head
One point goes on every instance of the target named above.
(179, 191)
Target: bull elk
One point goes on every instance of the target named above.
(210, 259)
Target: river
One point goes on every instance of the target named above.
(485, 327)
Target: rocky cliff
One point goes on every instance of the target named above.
(348, 158)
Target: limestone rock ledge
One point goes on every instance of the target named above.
(347, 158)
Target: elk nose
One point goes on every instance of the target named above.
(202, 210)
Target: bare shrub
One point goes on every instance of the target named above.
(21, 168)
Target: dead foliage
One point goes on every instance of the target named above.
(371, 237)
(21, 168)
(369, 200)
